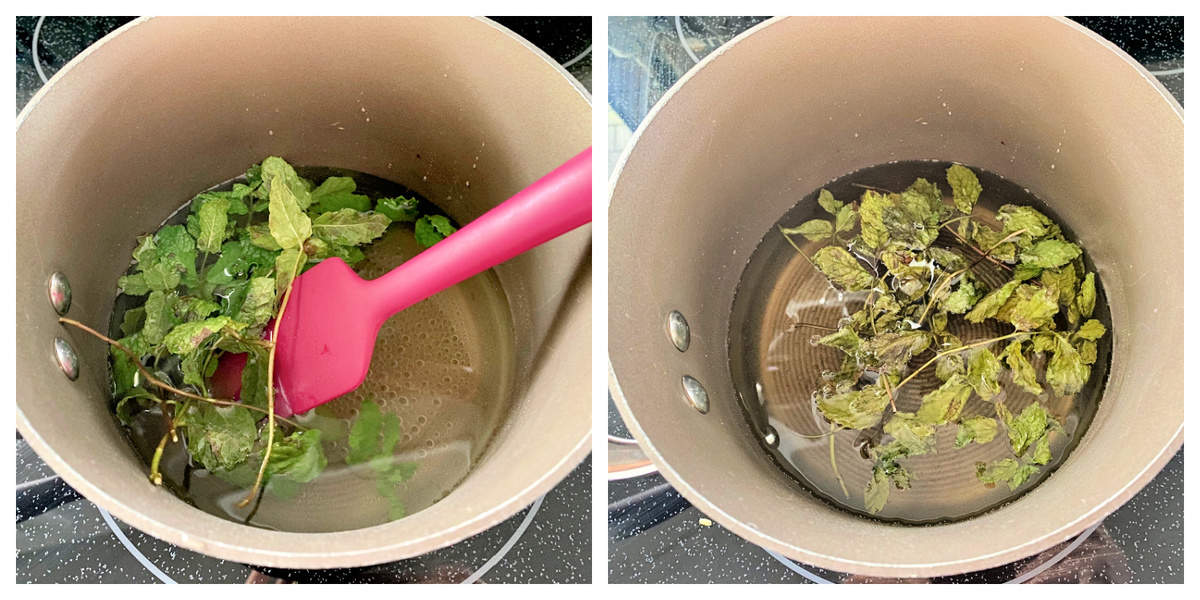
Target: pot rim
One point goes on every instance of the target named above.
(755, 536)
(207, 544)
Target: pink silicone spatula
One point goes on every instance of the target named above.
(333, 316)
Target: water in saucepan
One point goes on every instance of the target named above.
(783, 303)
(444, 367)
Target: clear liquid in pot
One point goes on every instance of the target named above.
(776, 367)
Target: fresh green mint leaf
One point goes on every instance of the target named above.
(259, 305)
(160, 316)
(133, 285)
(364, 434)
(348, 227)
(298, 456)
(275, 168)
(288, 223)
(186, 337)
(220, 437)
(431, 229)
(398, 209)
(133, 320)
(212, 222)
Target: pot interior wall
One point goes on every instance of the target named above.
(799, 102)
(457, 109)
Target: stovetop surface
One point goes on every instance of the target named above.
(64, 538)
(656, 536)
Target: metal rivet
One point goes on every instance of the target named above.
(771, 437)
(695, 393)
(68, 361)
(60, 293)
(677, 330)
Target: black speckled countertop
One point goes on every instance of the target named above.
(656, 536)
(63, 538)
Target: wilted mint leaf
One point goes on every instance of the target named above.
(841, 268)
(1049, 254)
(871, 208)
(894, 350)
(962, 298)
(945, 403)
(364, 434)
(980, 430)
(219, 437)
(878, 488)
(946, 259)
(289, 225)
(133, 320)
(1041, 455)
(856, 409)
(348, 227)
(1017, 218)
(1005, 470)
(965, 186)
(993, 242)
(814, 230)
(913, 434)
(950, 364)
(398, 209)
(843, 339)
(846, 219)
(431, 229)
(1087, 352)
(825, 199)
(1061, 283)
(1023, 272)
(983, 372)
(185, 338)
(1091, 330)
(1029, 307)
(1023, 373)
(1028, 427)
(1086, 300)
(987, 307)
(1066, 372)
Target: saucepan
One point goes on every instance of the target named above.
(460, 110)
(794, 103)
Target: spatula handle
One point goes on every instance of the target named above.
(550, 207)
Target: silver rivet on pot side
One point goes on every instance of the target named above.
(677, 330)
(695, 393)
(68, 361)
(60, 292)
